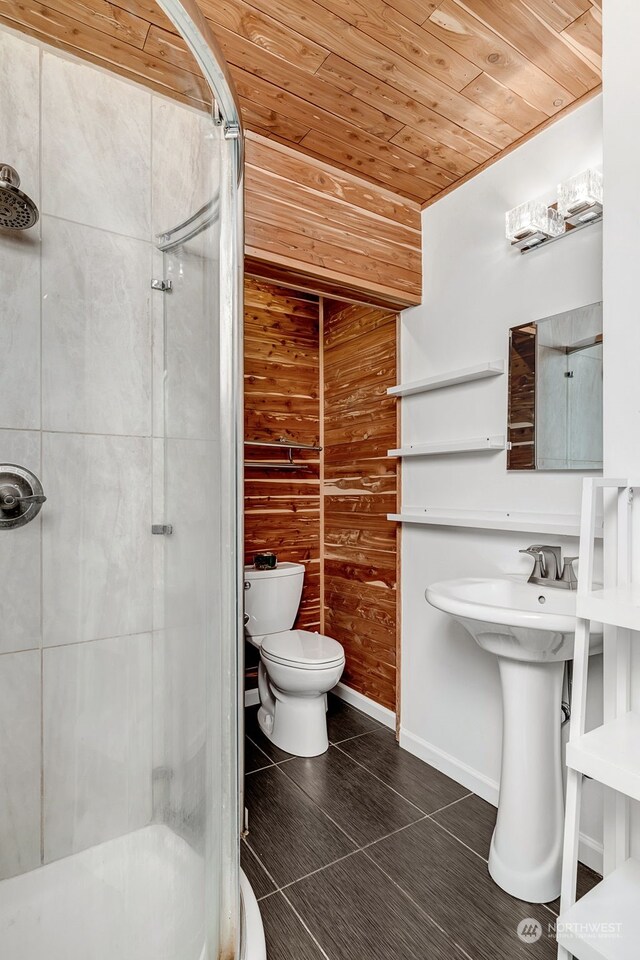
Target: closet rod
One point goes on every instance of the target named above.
(282, 465)
(282, 444)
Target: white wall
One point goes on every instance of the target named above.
(109, 165)
(475, 288)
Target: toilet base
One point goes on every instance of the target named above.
(298, 725)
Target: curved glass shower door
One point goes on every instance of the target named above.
(119, 620)
(195, 780)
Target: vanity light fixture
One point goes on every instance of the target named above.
(580, 198)
(579, 205)
(532, 223)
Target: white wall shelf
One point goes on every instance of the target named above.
(562, 525)
(610, 754)
(467, 445)
(613, 901)
(492, 368)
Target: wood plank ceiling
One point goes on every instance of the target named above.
(416, 95)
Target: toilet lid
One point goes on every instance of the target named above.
(302, 648)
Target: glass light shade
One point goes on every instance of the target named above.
(531, 218)
(579, 192)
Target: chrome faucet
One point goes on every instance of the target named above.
(549, 569)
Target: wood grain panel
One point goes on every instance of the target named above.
(360, 488)
(330, 229)
(413, 97)
(522, 398)
(282, 399)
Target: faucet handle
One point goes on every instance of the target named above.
(538, 571)
(568, 573)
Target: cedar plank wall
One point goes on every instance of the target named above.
(282, 399)
(350, 589)
(312, 225)
(360, 488)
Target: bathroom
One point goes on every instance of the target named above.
(269, 469)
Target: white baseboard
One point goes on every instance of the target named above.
(469, 777)
(251, 697)
(590, 850)
(370, 707)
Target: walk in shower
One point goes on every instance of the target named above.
(119, 619)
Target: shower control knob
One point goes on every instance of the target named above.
(8, 501)
(21, 496)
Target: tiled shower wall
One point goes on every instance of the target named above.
(81, 359)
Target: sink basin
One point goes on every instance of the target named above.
(512, 618)
(530, 629)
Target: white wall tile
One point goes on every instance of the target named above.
(20, 330)
(20, 109)
(20, 556)
(97, 742)
(20, 273)
(97, 541)
(96, 330)
(96, 136)
(19, 762)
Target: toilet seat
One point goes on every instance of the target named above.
(302, 649)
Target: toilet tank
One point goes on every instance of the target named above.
(272, 598)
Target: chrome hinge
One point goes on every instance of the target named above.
(164, 286)
(232, 131)
(215, 113)
(163, 529)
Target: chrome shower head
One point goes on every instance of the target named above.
(17, 210)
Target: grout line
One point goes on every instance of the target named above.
(458, 840)
(356, 736)
(292, 883)
(383, 782)
(249, 773)
(452, 804)
(293, 909)
(258, 747)
(393, 833)
(320, 810)
(418, 906)
(254, 854)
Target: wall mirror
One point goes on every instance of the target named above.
(555, 392)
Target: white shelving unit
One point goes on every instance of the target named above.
(613, 902)
(466, 445)
(562, 525)
(604, 924)
(611, 755)
(492, 368)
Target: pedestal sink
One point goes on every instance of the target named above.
(530, 629)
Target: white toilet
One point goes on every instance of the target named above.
(297, 668)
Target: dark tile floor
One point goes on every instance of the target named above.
(366, 853)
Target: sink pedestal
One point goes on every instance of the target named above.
(526, 849)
